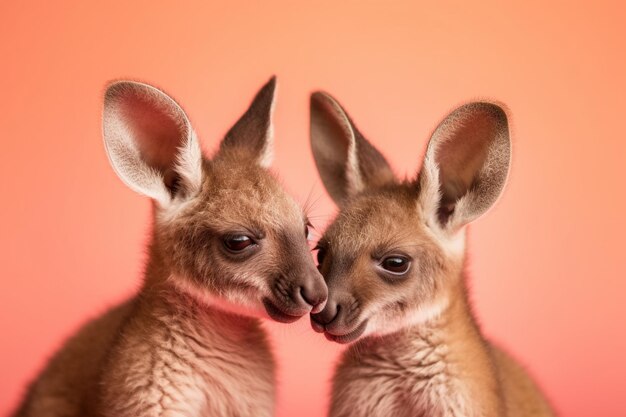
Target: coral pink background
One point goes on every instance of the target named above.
(547, 264)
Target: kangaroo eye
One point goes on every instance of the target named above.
(237, 243)
(397, 265)
(321, 254)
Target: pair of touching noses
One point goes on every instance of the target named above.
(229, 244)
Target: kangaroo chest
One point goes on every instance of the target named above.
(412, 380)
(429, 385)
(224, 379)
(183, 367)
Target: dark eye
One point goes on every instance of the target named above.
(237, 243)
(397, 265)
(321, 254)
(307, 228)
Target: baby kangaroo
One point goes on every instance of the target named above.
(393, 261)
(228, 244)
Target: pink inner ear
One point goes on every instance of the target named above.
(156, 131)
(462, 153)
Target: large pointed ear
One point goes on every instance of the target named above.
(252, 137)
(346, 161)
(466, 165)
(150, 142)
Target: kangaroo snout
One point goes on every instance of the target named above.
(296, 294)
(325, 317)
(339, 320)
(313, 291)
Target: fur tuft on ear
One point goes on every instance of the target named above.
(150, 142)
(346, 161)
(466, 164)
(253, 134)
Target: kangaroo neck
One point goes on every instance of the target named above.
(159, 296)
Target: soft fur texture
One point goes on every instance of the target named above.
(181, 346)
(418, 350)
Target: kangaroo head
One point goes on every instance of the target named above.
(225, 231)
(394, 255)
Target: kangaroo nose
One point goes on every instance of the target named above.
(322, 319)
(313, 297)
(314, 292)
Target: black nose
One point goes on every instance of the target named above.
(328, 315)
(315, 297)
(313, 291)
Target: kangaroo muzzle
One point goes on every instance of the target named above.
(295, 295)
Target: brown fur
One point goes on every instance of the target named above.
(418, 349)
(189, 342)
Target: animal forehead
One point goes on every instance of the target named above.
(373, 220)
(248, 194)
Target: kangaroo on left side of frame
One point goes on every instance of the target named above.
(228, 245)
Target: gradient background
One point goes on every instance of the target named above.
(547, 265)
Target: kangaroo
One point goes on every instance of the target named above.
(228, 246)
(393, 260)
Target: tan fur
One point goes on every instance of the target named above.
(418, 349)
(190, 343)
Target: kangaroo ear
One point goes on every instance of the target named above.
(466, 164)
(346, 161)
(150, 142)
(252, 137)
